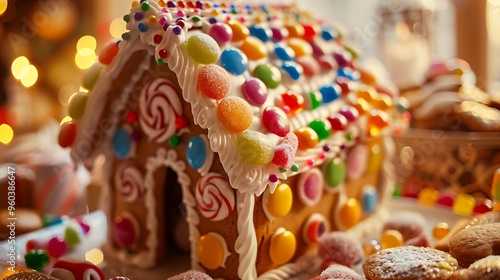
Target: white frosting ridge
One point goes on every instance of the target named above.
(246, 242)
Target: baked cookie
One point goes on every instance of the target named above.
(410, 263)
(486, 218)
(484, 269)
(28, 275)
(478, 117)
(475, 242)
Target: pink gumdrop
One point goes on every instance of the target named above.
(409, 224)
(221, 32)
(292, 140)
(56, 247)
(338, 122)
(191, 274)
(349, 112)
(336, 271)
(357, 162)
(436, 69)
(284, 155)
(276, 121)
(108, 53)
(340, 248)
(310, 65)
(254, 91)
(420, 241)
(327, 63)
(445, 200)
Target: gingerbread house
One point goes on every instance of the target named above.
(259, 116)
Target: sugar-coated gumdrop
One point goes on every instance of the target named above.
(203, 48)
(410, 224)
(221, 32)
(350, 213)
(254, 91)
(234, 61)
(240, 31)
(284, 155)
(213, 82)
(57, 247)
(371, 247)
(440, 230)
(92, 75)
(464, 204)
(77, 105)
(308, 138)
(72, 237)
(234, 114)
(211, 251)
(191, 274)
(36, 259)
(280, 201)
(67, 134)
(108, 53)
(335, 172)
(340, 248)
(391, 238)
(269, 74)
(276, 121)
(291, 139)
(255, 147)
(336, 271)
(282, 246)
(253, 48)
(420, 241)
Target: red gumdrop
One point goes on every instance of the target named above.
(213, 81)
(284, 155)
(67, 134)
(409, 224)
(191, 274)
(292, 140)
(341, 248)
(310, 65)
(420, 241)
(56, 247)
(336, 271)
(108, 53)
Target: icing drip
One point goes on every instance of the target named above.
(246, 243)
(159, 107)
(129, 181)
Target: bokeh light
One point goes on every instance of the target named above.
(6, 134)
(117, 28)
(94, 256)
(29, 76)
(65, 93)
(3, 6)
(85, 61)
(18, 66)
(65, 120)
(86, 45)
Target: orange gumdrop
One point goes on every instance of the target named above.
(240, 31)
(213, 81)
(234, 114)
(108, 53)
(308, 138)
(253, 48)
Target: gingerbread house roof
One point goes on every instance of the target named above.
(277, 90)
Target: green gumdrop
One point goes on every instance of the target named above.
(92, 75)
(323, 129)
(203, 48)
(77, 105)
(270, 75)
(36, 259)
(71, 237)
(255, 147)
(335, 172)
(315, 100)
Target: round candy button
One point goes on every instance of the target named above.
(221, 32)
(253, 48)
(269, 74)
(125, 230)
(279, 203)
(212, 250)
(350, 213)
(315, 227)
(334, 173)
(282, 247)
(122, 143)
(254, 91)
(310, 187)
(196, 152)
(234, 61)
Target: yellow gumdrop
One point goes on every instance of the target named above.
(210, 251)
(391, 238)
(428, 196)
(382, 102)
(253, 48)
(255, 147)
(282, 247)
(350, 213)
(234, 114)
(240, 31)
(374, 159)
(300, 47)
(440, 230)
(464, 204)
(280, 202)
(367, 93)
(308, 138)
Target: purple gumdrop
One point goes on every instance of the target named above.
(255, 91)
(349, 112)
(221, 32)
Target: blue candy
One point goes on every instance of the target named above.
(196, 152)
(293, 69)
(260, 32)
(369, 199)
(349, 73)
(330, 92)
(121, 143)
(284, 52)
(234, 61)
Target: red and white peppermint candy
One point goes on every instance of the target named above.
(214, 197)
(159, 106)
(129, 181)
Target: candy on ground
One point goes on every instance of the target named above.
(409, 224)
(340, 248)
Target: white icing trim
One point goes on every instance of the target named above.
(246, 242)
(203, 170)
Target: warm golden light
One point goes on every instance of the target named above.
(6, 134)
(3, 6)
(18, 66)
(94, 256)
(65, 93)
(29, 76)
(86, 45)
(85, 61)
(117, 28)
(65, 120)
